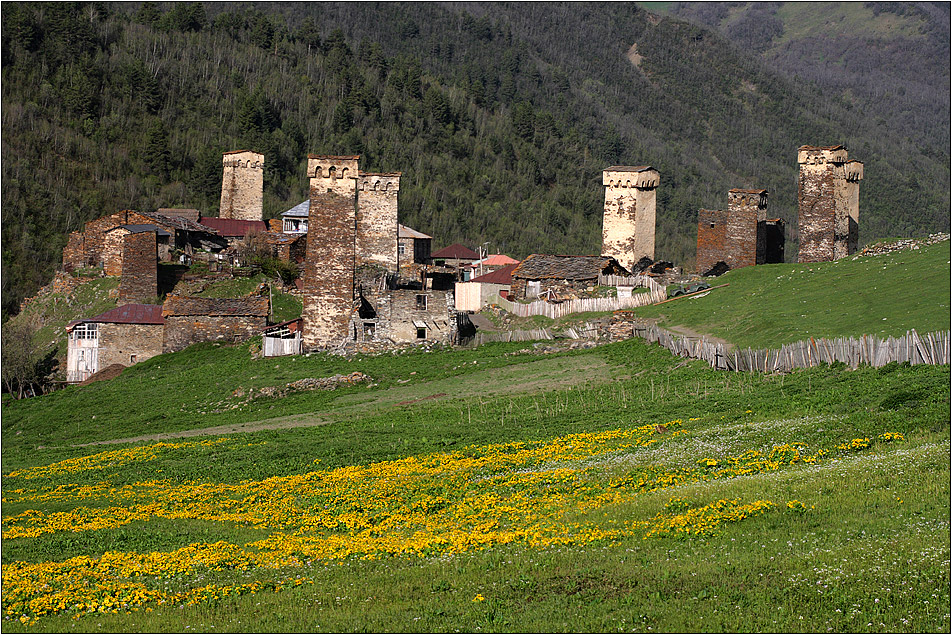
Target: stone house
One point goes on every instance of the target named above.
(405, 315)
(413, 247)
(456, 255)
(479, 292)
(234, 231)
(290, 247)
(115, 238)
(125, 335)
(189, 320)
(565, 276)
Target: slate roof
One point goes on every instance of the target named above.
(301, 210)
(405, 232)
(190, 305)
(126, 314)
(456, 251)
(503, 275)
(822, 148)
(179, 212)
(740, 191)
(280, 238)
(538, 266)
(138, 229)
(232, 227)
(178, 222)
(628, 168)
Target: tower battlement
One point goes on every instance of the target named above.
(325, 166)
(385, 182)
(828, 196)
(819, 155)
(642, 177)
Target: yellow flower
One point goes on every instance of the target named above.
(479, 598)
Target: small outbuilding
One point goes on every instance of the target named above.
(189, 320)
(566, 276)
(478, 292)
(125, 335)
(282, 339)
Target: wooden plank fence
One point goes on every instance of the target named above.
(931, 348)
(482, 337)
(554, 310)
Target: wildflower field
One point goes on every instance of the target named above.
(636, 492)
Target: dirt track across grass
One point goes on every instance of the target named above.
(536, 375)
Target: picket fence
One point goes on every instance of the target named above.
(554, 310)
(931, 348)
(483, 337)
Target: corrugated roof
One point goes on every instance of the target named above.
(302, 210)
(503, 275)
(455, 250)
(538, 266)
(190, 305)
(233, 227)
(495, 260)
(405, 232)
(280, 238)
(127, 314)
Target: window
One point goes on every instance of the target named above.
(421, 334)
(132, 359)
(401, 249)
(86, 331)
(533, 288)
(712, 225)
(370, 329)
(421, 302)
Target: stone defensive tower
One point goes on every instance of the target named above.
(742, 235)
(242, 185)
(140, 267)
(828, 195)
(628, 224)
(329, 266)
(377, 222)
(743, 244)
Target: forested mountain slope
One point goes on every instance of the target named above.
(500, 116)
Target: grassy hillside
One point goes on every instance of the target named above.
(771, 305)
(612, 489)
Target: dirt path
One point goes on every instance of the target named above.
(538, 375)
(683, 330)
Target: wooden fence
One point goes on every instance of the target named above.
(483, 337)
(932, 348)
(656, 293)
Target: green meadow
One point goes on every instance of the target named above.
(503, 488)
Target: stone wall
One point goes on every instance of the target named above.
(377, 219)
(74, 253)
(139, 281)
(184, 330)
(128, 344)
(828, 196)
(328, 280)
(743, 244)
(242, 185)
(562, 288)
(628, 223)
(113, 246)
(711, 232)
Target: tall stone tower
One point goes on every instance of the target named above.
(242, 185)
(628, 224)
(377, 219)
(329, 265)
(744, 246)
(828, 195)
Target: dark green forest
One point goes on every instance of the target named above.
(500, 116)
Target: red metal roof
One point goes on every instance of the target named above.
(129, 314)
(495, 260)
(503, 275)
(457, 251)
(232, 227)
